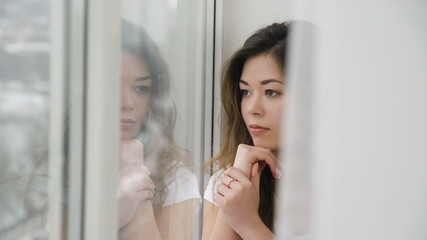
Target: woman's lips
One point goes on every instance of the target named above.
(257, 129)
(126, 123)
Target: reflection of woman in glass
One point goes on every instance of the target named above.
(164, 203)
(239, 199)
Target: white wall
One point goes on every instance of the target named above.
(368, 144)
(241, 18)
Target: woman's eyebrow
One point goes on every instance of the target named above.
(243, 82)
(270, 81)
(264, 82)
(144, 78)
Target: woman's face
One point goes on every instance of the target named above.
(136, 94)
(262, 85)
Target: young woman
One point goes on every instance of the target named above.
(158, 195)
(240, 197)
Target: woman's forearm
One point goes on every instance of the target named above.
(257, 231)
(143, 225)
(222, 230)
(254, 232)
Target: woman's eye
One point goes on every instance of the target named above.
(245, 92)
(143, 89)
(271, 93)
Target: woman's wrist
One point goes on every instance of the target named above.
(244, 166)
(145, 207)
(255, 230)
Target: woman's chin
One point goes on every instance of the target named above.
(272, 147)
(126, 136)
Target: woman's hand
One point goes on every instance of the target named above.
(238, 198)
(131, 153)
(135, 184)
(247, 156)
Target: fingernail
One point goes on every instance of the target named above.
(279, 173)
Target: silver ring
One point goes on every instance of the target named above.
(229, 182)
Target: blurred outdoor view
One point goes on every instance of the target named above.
(24, 95)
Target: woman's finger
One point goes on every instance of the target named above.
(227, 180)
(144, 195)
(247, 155)
(219, 199)
(223, 189)
(146, 188)
(137, 181)
(145, 170)
(127, 168)
(270, 159)
(256, 176)
(143, 185)
(138, 176)
(236, 174)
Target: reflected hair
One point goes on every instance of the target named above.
(161, 153)
(271, 40)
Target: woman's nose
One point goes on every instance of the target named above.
(255, 106)
(126, 100)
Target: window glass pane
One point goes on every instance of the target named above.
(161, 99)
(24, 109)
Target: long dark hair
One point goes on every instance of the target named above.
(270, 40)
